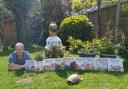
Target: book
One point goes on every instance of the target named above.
(101, 64)
(59, 63)
(70, 63)
(49, 64)
(29, 65)
(115, 65)
(38, 66)
(90, 63)
(80, 64)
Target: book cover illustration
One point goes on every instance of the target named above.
(80, 64)
(49, 64)
(38, 66)
(90, 63)
(70, 63)
(29, 65)
(115, 65)
(59, 63)
(101, 64)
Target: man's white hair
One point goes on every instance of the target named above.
(19, 45)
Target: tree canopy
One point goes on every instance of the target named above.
(81, 4)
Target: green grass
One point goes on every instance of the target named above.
(57, 79)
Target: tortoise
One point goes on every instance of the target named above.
(74, 79)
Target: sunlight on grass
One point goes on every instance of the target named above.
(57, 79)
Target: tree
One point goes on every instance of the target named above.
(20, 9)
(51, 11)
(99, 18)
(1, 25)
(82, 4)
(4, 14)
(35, 21)
(117, 20)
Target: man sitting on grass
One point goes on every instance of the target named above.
(18, 57)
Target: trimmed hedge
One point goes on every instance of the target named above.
(79, 27)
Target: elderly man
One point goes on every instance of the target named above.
(18, 57)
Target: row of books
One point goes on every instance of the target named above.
(110, 64)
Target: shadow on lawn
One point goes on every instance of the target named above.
(6, 52)
(34, 48)
(31, 49)
(125, 64)
(19, 73)
(65, 73)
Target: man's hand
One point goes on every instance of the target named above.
(13, 66)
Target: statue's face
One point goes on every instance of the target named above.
(19, 50)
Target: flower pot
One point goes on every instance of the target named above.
(87, 55)
(108, 56)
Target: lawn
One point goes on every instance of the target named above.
(57, 79)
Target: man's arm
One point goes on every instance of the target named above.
(13, 66)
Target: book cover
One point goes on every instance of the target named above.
(90, 63)
(49, 64)
(70, 63)
(59, 63)
(115, 65)
(80, 64)
(38, 66)
(29, 65)
(101, 64)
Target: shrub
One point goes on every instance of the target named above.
(75, 45)
(98, 46)
(82, 4)
(122, 52)
(107, 47)
(39, 56)
(79, 27)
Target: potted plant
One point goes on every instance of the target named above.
(107, 50)
(39, 56)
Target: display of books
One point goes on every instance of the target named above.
(29, 65)
(59, 63)
(101, 64)
(115, 65)
(49, 64)
(90, 63)
(110, 64)
(80, 64)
